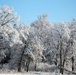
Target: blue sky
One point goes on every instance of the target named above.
(29, 10)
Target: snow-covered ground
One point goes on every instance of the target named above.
(42, 69)
(33, 73)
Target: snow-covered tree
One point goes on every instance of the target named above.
(43, 28)
(24, 34)
(34, 47)
(25, 46)
(7, 16)
(61, 37)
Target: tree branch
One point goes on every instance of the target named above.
(7, 22)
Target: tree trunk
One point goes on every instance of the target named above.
(56, 61)
(35, 67)
(72, 63)
(61, 70)
(36, 62)
(19, 65)
(61, 62)
(64, 63)
(27, 66)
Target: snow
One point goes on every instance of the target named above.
(24, 44)
(33, 73)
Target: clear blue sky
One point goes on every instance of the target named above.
(57, 10)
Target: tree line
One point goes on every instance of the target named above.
(41, 41)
